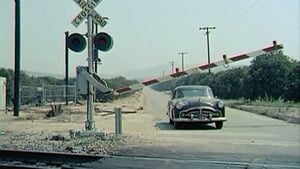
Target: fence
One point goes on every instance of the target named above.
(47, 94)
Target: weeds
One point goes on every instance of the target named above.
(266, 101)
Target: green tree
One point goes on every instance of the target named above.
(293, 83)
(268, 76)
(119, 81)
(228, 84)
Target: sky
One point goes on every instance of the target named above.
(148, 34)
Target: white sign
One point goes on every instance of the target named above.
(86, 10)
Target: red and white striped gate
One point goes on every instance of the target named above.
(203, 67)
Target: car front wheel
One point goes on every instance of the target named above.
(177, 125)
(171, 121)
(219, 124)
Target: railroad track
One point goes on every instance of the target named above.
(36, 159)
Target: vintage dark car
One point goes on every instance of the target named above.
(195, 104)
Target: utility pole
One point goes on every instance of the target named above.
(17, 57)
(172, 64)
(207, 37)
(182, 60)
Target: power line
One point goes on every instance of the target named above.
(248, 9)
(238, 19)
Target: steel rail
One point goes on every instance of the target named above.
(11, 166)
(46, 157)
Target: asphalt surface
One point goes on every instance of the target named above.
(246, 141)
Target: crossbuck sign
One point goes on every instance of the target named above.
(86, 10)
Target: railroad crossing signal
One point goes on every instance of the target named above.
(76, 42)
(86, 10)
(103, 41)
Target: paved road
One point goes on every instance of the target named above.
(246, 141)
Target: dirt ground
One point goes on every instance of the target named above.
(32, 130)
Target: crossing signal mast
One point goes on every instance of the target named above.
(87, 79)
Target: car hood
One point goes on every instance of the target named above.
(198, 101)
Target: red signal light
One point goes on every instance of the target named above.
(103, 41)
(76, 42)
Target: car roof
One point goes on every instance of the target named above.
(191, 87)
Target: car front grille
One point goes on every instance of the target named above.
(199, 113)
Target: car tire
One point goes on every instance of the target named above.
(219, 124)
(171, 121)
(177, 125)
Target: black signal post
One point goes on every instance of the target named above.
(17, 57)
(66, 66)
(96, 57)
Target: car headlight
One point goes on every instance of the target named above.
(220, 104)
(181, 104)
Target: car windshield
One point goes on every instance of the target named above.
(201, 92)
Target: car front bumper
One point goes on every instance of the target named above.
(203, 120)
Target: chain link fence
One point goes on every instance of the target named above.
(30, 95)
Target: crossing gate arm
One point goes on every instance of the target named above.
(203, 67)
(127, 89)
(82, 77)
